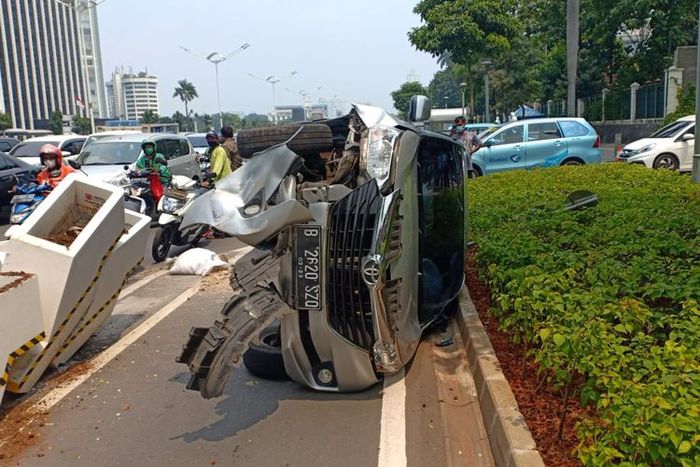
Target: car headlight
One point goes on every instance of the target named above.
(171, 204)
(378, 145)
(644, 149)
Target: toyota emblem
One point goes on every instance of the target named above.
(371, 271)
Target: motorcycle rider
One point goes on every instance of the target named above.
(152, 161)
(54, 170)
(220, 164)
(231, 147)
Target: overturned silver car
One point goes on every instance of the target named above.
(358, 228)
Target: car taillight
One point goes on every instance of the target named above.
(597, 142)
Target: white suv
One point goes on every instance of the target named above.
(671, 147)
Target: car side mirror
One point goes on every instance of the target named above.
(488, 143)
(419, 109)
(688, 137)
(73, 163)
(66, 153)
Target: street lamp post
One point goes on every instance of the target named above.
(696, 155)
(487, 110)
(463, 88)
(273, 80)
(216, 58)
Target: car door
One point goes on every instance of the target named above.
(441, 212)
(170, 149)
(7, 180)
(545, 145)
(505, 150)
(190, 158)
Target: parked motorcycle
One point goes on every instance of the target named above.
(28, 197)
(173, 205)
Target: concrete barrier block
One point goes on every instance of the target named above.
(67, 261)
(21, 319)
(127, 256)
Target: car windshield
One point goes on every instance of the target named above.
(111, 153)
(488, 132)
(669, 131)
(30, 148)
(198, 141)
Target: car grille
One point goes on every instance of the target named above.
(352, 224)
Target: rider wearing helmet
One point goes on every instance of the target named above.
(152, 161)
(218, 156)
(54, 171)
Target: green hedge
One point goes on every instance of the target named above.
(610, 293)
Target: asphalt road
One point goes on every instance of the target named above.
(122, 400)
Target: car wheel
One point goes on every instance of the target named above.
(572, 162)
(314, 138)
(666, 161)
(264, 359)
(475, 172)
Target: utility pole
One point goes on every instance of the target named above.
(696, 155)
(572, 30)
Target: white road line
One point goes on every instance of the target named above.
(145, 281)
(97, 363)
(392, 437)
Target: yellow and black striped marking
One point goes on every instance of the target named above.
(98, 312)
(70, 314)
(24, 348)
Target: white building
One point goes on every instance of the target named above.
(93, 56)
(130, 95)
(41, 66)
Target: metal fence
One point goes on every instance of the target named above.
(650, 100)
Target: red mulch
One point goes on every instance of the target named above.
(542, 410)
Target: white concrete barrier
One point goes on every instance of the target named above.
(127, 256)
(19, 298)
(68, 264)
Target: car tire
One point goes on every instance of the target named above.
(573, 162)
(264, 359)
(666, 161)
(475, 172)
(314, 138)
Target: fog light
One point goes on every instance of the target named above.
(325, 376)
(386, 358)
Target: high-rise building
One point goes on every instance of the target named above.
(130, 95)
(92, 56)
(41, 69)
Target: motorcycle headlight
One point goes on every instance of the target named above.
(378, 145)
(644, 149)
(171, 204)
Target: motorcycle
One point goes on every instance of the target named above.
(28, 197)
(173, 205)
(138, 192)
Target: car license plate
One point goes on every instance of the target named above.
(307, 263)
(22, 199)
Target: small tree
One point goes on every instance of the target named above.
(186, 91)
(56, 123)
(81, 125)
(5, 121)
(206, 118)
(149, 116)
(402, 96)
(180, 119)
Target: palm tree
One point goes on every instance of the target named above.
(186, 92)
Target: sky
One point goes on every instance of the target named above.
(358, 51)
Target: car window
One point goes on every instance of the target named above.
(543, 131)
(5, 146)
(198, 141)
(30, 148)
(5, 164)
(510, 135)
(184, 146)
(571, 129)
(110, 153)
(170, 148)
(73, 147)
(669, 131)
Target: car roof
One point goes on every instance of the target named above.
(18, 161)
(116, 132)
(546, 120)
(687, 118)
(59, 138)
(138, 137)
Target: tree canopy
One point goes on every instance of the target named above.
(402, 96)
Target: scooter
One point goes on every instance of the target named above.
(137, 189)
(28, 197)
(173, 205)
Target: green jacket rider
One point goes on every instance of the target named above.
(152, 160)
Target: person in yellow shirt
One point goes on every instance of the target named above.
(220, 163)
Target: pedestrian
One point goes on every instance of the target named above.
(220, 164)
(231, 147)
(468, 139)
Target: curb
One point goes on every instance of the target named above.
(511, 440)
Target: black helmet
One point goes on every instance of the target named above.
(227, 131)
(211, 134)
